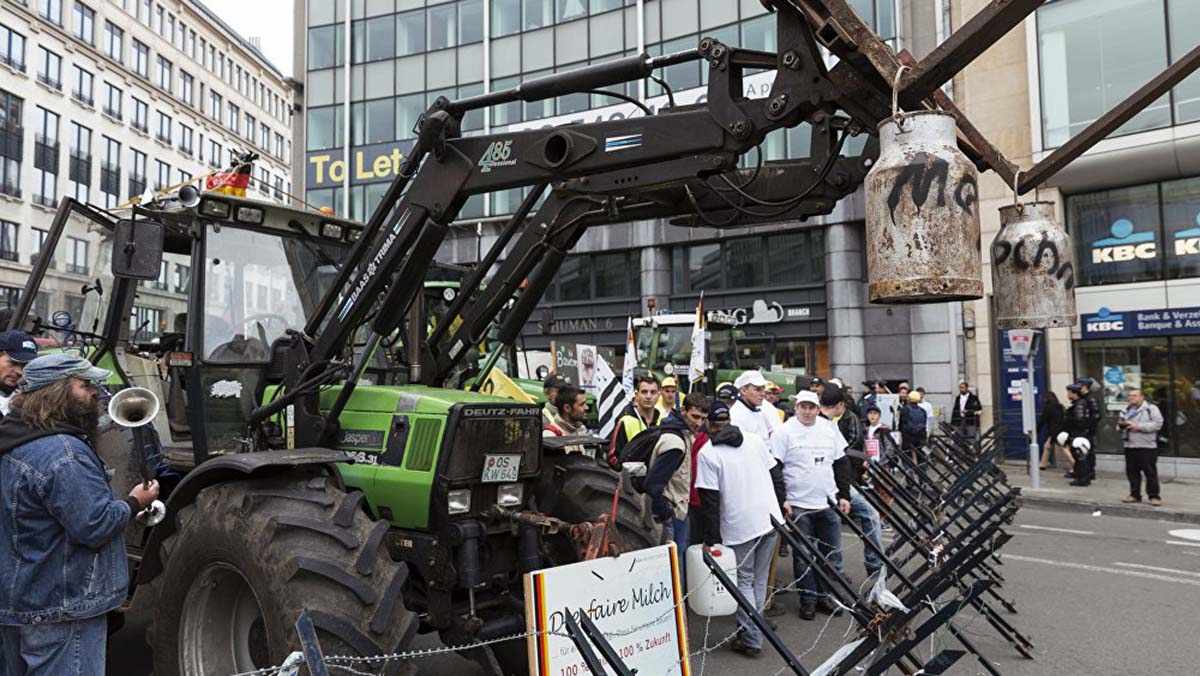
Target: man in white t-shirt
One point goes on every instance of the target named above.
(748, 413)
(815, 470)
(741, 488)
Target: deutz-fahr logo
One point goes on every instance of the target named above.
(497, 155)
(1124, 244)
(505, 412)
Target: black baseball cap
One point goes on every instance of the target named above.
(19, 346)
(719, 412)
(728, 391)
(553, 380)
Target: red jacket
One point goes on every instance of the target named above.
(701, 439)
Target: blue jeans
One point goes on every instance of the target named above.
(74, 648)
(753, 567)
(825, 526)
(676, 530)
(868, 520)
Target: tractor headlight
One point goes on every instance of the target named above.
(459, 501)
(510, 495)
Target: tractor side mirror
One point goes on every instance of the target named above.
(137, 249)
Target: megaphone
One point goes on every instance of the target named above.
(135, 407)
(188, 195)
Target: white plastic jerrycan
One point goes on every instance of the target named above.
(706, 595)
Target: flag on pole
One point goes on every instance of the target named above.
(611, 397)
(627, 375)
(699, 362)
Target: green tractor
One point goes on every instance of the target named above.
(419, 512)
(664, 348)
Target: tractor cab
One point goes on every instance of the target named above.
(188, 300)
(664, 344)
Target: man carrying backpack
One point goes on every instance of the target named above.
(635, 418)
(668, 482)
(914, 424)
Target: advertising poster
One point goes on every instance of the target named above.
(635, 600)
(577, 362)
(1118, 380)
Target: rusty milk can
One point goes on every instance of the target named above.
(1032, 276)
(922, 214)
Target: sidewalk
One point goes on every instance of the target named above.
(1181, 497)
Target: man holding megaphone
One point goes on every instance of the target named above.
(62, 554)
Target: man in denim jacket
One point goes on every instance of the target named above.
(63, 553)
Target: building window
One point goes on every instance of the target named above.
(1139, 233)
(164, 74)
(162, 177)
(185, 88)
(1094, 55)
(146, 323)
(214, 154)
(214, 103)
(137, 173)
(85, 23)
(374, 39)
(51, 10)
(796, 258)
(79, 172)
(185, 138)
(443, 26)
(183, 276)
(164, 127)
(325, 47)
(112, 101)
(586, 277)
(264, 135)
(10, 296)
(77, 256)
(141, 111)
(12, 49)
(84, 82)
(11, 150)
(110, 172)
(251, 126)
(279, 138)
(114, 41)
(50, 69)
(45, 159)
(235, 118)
(39, 244)
(410, 33)
(141, 59)
(8, 240)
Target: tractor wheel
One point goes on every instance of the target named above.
(248, 556)
(585, 492)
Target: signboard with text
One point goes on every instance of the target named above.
(1141, 323)
(635, 600)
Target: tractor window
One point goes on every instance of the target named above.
(674, 345)
(722, 351)
(645, 336)
(258, 285)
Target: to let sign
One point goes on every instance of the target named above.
(635, 600)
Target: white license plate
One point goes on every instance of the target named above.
(501, 469)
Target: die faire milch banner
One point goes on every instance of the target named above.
(635, 600)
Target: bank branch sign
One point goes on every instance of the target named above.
(1141, 323)
(1124, 244)
(635, 600)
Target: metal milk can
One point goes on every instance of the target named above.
(1032, 277)
(923, 241)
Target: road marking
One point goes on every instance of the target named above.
(1059, 530)
(1186, 534)
(1160, 570)
(1101, 569)
(1184, 544)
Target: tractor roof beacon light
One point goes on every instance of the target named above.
(1032, 275)
(922, 213)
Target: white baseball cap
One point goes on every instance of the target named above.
(806, 396)
(754, 378)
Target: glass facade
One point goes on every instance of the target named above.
(1094, 53)
(1167, 370)
(786, 259)
(403, 54)
(1136, 234)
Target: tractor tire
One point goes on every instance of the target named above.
(248, 556)
(585, 492)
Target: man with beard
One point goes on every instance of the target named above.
(17, 349)
(60, 525)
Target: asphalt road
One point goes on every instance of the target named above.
(1098, 595)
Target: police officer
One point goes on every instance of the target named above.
(1077, 436)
